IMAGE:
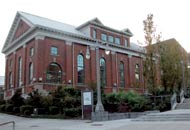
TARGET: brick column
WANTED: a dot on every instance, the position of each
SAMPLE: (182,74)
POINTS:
(68,63)
(24,76)
(130,70)
(6,73)
(114,70)
(93,64)
(38,58)
(14,71)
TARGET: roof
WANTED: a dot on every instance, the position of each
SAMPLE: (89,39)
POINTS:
(137,47)
(98,23)
(45,22)
(2,78)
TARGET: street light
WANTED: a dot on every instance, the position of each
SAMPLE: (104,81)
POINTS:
(99,105)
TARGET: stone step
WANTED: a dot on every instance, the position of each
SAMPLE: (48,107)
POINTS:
(176,115)
(183,106)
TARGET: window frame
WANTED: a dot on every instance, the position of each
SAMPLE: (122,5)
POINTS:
(57,75)
(54,50)
(31,72)
(94,33)
(80,66)
(137,73)
(103,76)
(19,80)
(117,39)
(104,35)
(31,51)
(109,39)
(121,74)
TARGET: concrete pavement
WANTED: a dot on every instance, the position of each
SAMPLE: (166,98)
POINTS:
(58,124)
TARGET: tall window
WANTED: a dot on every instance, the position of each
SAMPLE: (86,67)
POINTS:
(31,51)
(121,73)
(102,72)
(19,81)
(137,72)
(110,39)
(54,73)
(117,40)
(54,50)
(94,34)
(31,72)
(126,43)
(80,69)
(10,79)
(103,37)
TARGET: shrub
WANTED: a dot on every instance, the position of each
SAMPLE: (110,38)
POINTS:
(53,110)
(16,110)
(72,112)
(27,113)
(17,100)
(9,108)
(2,101)
(28,108)
(2,108)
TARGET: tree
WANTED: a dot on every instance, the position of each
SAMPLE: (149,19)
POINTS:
(150,68)
(173,62)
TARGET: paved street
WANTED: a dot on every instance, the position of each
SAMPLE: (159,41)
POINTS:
(56,124)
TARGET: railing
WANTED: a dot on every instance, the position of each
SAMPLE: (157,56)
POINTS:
(173,101)
(182,98)
(10,122)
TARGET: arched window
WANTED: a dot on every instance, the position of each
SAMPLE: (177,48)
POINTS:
(137,72)
(102,72)
(54,73)
(80,69)
(19,81)
(121,74)
(31,72)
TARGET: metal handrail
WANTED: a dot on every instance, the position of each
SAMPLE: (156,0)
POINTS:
(5,123)
(173,101)
(182,96)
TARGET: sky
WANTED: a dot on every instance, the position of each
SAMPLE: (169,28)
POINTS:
(171,17)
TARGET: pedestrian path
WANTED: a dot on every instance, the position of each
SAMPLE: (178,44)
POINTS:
(124,124)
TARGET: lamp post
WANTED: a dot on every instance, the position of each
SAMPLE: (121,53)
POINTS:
(99,105)
(99,110)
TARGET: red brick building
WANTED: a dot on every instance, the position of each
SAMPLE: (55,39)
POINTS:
(42,53)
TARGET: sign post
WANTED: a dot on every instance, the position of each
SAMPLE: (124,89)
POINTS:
(87,103)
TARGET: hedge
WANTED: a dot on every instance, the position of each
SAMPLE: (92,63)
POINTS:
(53,110)
(26,110)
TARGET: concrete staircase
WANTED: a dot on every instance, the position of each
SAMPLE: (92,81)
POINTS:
(173,115)
(184,105)
(181,113)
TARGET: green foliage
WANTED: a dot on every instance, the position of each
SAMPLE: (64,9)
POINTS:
(173,62)
(16,110)
(26,109)
(9,107)
(17,100)
(124,101)
(72,112)
(2,101)
(2,108)
(150,68)
(46,101)
(53,110)
(34,99)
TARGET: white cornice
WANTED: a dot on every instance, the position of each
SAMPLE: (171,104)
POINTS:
(89,43)
(38,32)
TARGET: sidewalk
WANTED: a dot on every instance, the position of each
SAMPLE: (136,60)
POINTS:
(56,124)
